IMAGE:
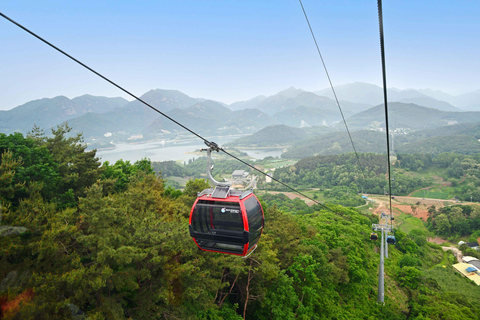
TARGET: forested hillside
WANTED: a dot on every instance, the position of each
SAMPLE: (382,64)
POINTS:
(456,221)
(337,143)
(366,174)
(461,139)
(88,241)
(271,136)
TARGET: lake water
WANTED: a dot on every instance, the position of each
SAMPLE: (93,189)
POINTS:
(158,151)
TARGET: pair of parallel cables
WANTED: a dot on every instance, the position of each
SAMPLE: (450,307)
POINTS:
(384,80)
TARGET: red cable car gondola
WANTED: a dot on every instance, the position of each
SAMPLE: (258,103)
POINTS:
(231,224)
(226,220)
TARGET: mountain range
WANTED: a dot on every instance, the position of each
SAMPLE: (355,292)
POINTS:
(46,113)
(371,94)
(116,119)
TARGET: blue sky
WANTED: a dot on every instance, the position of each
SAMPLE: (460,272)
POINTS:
(234,50)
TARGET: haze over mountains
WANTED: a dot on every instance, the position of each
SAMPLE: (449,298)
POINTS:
(372,94)
(46,113)
(116,119)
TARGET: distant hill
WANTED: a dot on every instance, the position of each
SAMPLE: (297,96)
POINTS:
(468,101)
(310,99)
(291,92)
(250,120)
(399,95)
(307,116)
(372,94)
(120,119)
(355,92)
(338,142)
(280,135)
(209,110)
(89,103)
(94,125)
(461,138)
(366,93)
(431,103)
(248,104)
(271,136)
(210,118)
(373,141)
(134,117)
(280,105)
(437,94)
(463,144)
(285,99)
(469,129)
(411,116)
(49,112)
(163,100)
(202,117)
(273,104)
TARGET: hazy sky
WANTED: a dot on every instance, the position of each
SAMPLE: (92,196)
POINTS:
(234,50)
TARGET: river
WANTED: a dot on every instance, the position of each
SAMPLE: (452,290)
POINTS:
(177,151)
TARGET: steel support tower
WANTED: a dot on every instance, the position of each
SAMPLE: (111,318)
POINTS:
(385,229)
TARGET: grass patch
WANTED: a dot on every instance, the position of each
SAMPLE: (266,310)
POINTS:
(407,223)
(366,208)
(175,180)
(451,281)
(432,194)
(313,193)
(447,260)
(278,163)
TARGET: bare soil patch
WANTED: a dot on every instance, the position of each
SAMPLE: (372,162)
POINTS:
(436,240)
(418,212)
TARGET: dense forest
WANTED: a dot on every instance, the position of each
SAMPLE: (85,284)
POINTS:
(460,171)
(365,174)
(455,221)
(82,240)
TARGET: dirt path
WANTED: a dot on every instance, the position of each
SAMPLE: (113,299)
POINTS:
(457,253)
(382,207)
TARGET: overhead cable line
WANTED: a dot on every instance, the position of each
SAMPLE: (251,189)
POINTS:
(333,89)
(384,78)
(210,144)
